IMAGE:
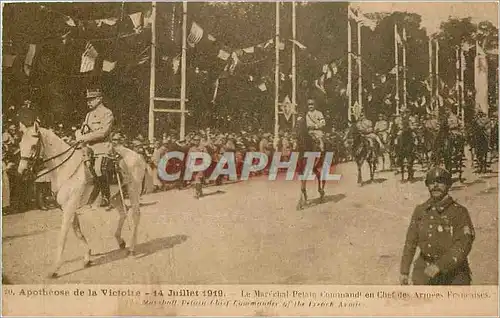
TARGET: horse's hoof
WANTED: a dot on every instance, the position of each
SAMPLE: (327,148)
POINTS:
(122,245)
(300,205)
(53,275)
(88,264)
(132,253)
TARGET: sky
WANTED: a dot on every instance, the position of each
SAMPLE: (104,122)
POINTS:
(433,13)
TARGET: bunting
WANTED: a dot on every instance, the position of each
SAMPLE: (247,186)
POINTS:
(108,66)
(136,20)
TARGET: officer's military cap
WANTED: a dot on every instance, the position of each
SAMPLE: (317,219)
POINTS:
(94,92)
(438,174)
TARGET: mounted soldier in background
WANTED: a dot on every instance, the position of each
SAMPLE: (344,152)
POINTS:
(315,122)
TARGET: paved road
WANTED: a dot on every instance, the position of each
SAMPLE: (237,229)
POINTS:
(250,233)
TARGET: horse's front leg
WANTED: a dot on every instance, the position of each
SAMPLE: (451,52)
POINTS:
(78,232)
(69,211)
(360,177)
(321,185)
(134,193)
(119,205)
(303,195)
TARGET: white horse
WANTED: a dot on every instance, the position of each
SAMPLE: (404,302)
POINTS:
(72,182)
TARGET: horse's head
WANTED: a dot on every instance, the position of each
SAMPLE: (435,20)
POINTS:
(30,147)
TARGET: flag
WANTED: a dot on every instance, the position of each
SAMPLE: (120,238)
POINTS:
(195,35)
(394,70)
(28,61)
(281,46)
(88,58)
(223,55)
(216,89)
(148,18)
(210,37)
(8,60)
(361,19)
(300,45)
(176,62)
(404,35)
(481,79)
(263,87)
(249,49)
(398,39)
(108,66)
(136,20)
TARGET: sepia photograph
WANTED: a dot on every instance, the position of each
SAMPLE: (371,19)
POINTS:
(249,143)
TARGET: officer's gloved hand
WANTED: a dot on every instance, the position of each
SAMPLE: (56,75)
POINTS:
(403,279)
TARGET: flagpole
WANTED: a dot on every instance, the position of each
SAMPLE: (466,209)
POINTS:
(437,75)
(152,79)
(457,79)
(360,78)
(404,68)
(462,84)
(276,72)
(349,69)
(431,76)
(396,62)
(294,61)
(183,71)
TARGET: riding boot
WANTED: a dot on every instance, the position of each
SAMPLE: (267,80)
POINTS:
(105,192)
(40,195)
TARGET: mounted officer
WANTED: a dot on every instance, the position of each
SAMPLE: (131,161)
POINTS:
(365,127)
(315,122)
(382,128)
(94,135)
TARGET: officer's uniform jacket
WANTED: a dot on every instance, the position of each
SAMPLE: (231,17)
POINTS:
(365,126)
(444,233)
(315,121)
(432,124)
(381,126)
(453,123)
(96,129)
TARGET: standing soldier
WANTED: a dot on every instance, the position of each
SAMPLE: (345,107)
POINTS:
(315,122)
(95,137)
(443,231)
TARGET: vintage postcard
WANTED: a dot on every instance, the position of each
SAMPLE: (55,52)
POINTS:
(250,158)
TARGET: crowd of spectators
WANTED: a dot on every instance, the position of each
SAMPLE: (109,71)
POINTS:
(21,195)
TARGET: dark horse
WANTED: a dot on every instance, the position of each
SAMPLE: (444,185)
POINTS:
(479,141)
(364,149)
(449,149)
(305,143)
(405,150)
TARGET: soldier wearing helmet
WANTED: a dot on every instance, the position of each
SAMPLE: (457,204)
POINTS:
(443,231)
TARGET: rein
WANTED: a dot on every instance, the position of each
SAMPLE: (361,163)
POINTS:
(37,154)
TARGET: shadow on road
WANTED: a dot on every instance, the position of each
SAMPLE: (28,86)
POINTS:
(32,233)
(213,193)
(329,198)
(374,181)
(141,250)
(148,203)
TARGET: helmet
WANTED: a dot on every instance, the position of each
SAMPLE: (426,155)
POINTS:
(438,174)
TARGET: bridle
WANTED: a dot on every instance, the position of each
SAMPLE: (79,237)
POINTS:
(34,161)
